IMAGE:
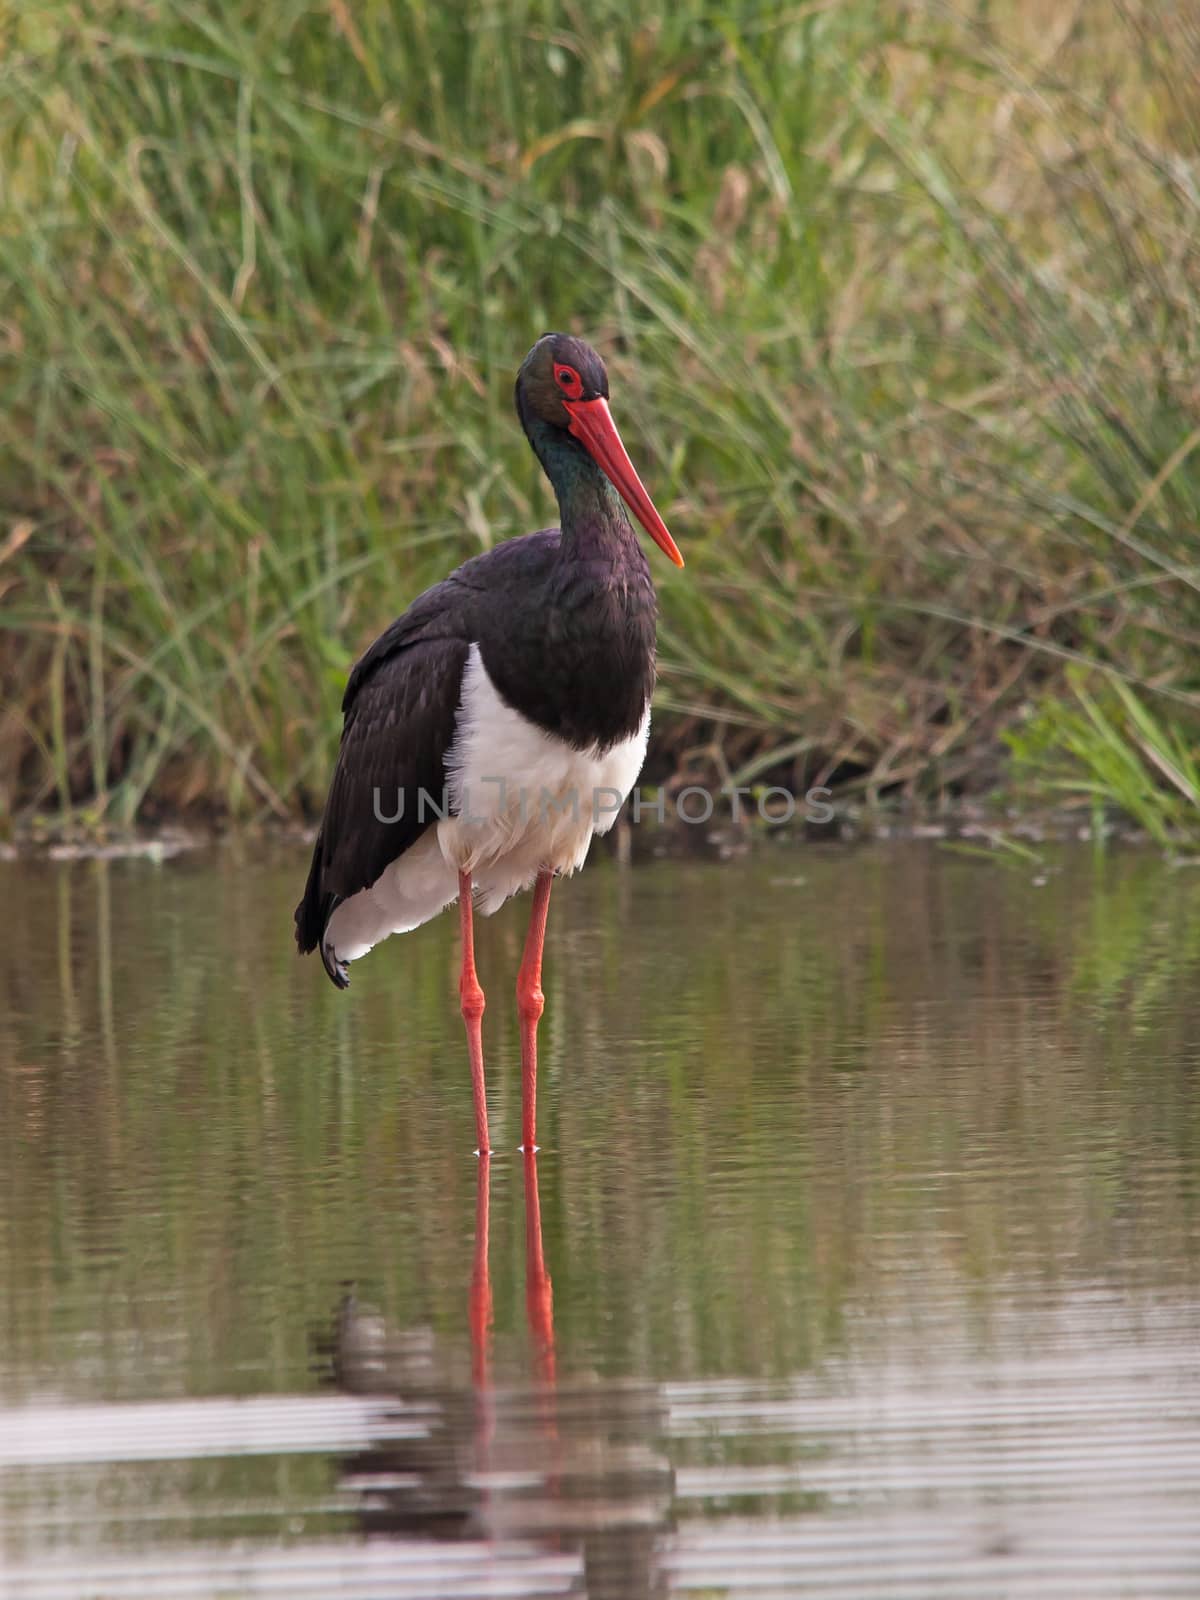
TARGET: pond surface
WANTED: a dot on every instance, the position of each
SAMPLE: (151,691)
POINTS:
(861,1258)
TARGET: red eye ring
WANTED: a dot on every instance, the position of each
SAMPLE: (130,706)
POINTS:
(568,380)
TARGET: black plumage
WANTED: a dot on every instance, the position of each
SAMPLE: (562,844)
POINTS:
(566,636)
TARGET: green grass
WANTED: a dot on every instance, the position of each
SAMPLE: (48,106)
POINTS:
(901,311)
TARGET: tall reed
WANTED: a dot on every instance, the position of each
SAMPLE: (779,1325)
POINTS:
(900,304)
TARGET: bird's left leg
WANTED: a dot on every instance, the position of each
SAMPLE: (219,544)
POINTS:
(470,995)
(530,1002)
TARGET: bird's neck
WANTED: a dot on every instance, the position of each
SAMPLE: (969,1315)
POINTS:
(591,513)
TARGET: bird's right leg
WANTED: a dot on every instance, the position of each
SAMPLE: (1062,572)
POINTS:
(471,1000)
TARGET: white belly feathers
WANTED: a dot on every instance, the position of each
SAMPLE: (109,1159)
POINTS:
(523,799)
(520,799)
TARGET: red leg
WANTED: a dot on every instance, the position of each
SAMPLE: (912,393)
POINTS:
(530,1001)
(471,999)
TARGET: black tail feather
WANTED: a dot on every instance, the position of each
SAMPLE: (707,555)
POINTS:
(312,918)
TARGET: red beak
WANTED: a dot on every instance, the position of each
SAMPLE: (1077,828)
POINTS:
(592,424)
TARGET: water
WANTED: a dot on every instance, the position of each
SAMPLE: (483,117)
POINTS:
(860,1259)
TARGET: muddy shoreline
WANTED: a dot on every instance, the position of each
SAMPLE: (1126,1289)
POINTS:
(971,826)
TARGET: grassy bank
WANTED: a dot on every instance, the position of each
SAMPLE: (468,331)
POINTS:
(900,306)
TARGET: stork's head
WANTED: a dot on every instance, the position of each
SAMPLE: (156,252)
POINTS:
(563,383)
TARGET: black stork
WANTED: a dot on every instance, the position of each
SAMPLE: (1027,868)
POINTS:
(501,721)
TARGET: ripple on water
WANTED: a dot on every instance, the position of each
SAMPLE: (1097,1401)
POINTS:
(860,1258)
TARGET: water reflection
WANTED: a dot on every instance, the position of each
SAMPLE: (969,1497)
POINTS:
(577,1468)
(863,1250)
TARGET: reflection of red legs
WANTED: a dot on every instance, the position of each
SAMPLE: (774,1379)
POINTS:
(530,1001)
(539,1292)
(471,999)
(480,1298)
(479,1317)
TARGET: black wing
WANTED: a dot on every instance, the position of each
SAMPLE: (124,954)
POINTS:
(400,708)
(399,726)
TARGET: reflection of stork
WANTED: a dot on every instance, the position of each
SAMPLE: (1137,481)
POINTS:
(574,1467)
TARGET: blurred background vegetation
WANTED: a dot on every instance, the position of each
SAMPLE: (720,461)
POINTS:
(900,303)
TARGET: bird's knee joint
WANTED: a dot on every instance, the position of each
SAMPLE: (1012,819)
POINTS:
(531,1003)
(471,1000)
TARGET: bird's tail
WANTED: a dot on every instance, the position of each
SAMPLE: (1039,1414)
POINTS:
(312,918)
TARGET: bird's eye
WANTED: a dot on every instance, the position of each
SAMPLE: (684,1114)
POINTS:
(568,381)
